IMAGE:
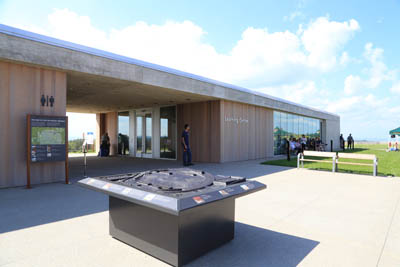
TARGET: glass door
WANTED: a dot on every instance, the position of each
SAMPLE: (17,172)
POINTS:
(123,133)
(168,132)
(144,134)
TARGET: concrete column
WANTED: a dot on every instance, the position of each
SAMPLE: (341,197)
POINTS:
(156,132)
(323,133)
(100,129)
(332,130)
(132,133)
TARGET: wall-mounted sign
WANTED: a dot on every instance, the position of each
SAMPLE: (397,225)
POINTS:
(89,138)
(47,138)
(45,101)
(236,120)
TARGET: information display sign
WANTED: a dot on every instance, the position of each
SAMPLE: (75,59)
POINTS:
(48,138)
(89,138)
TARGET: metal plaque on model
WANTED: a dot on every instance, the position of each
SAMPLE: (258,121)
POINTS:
(48,138)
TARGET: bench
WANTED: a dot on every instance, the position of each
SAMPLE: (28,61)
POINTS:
(359,156)
(301,159)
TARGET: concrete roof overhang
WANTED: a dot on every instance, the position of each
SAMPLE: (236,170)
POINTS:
(101,81)
(93,93)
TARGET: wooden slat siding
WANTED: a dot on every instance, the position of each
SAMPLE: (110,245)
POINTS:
(356,156)
(319,154)
(21,87)
(222,130)
(111,127)
(244,141)
(98,131)
(244,130)
(252,129)
(215,151)
(270,133)
(4,123)
(205,136)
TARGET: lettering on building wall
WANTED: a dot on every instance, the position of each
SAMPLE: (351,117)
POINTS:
(236,120)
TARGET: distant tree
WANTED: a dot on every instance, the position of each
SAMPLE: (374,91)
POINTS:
(76,145)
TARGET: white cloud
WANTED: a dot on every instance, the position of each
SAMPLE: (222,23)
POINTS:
(344,104)
(353,84)
(304,92)
(323,39)
(395,87)
(293,16)
(344,58)
(377,73)
(260,58)
(286,64)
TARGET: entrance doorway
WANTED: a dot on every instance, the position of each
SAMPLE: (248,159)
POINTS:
(144,134)
(123,133)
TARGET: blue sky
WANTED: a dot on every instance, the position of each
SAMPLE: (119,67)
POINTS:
(340,56)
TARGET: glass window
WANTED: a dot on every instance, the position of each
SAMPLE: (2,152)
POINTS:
(319,129)
(315,122)
(123,133)
(310,127)
(301,125)
(284,124)
(296,126)
(277,132)
(290,125)
(139,121)
(148,133)
(284,133)
(168,132)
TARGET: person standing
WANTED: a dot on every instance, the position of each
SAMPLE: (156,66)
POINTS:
(349,138)
(341,142)
(352,142)
(105,145)
(303,142)
(187,153)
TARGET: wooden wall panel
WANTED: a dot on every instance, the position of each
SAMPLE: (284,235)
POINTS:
(111,127)
(21,87)
(100,129)
(247,132)
(4,123)
(204,119)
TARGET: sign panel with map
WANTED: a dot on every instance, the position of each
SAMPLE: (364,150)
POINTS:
(48,138)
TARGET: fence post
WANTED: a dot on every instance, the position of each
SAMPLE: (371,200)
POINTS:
(375,166)
(333,163)
(298,160)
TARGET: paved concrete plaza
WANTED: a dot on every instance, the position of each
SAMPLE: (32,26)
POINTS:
(304,217)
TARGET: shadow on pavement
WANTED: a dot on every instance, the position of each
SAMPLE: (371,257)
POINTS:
(254,246)
(116,165)
(22,208)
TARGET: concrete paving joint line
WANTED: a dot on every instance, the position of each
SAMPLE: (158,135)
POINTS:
(388,230)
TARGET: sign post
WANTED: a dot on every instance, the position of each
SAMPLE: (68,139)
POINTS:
(47,140)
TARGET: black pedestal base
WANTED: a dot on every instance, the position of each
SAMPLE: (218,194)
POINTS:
(176,240)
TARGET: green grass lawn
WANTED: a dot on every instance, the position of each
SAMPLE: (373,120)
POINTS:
(388,162)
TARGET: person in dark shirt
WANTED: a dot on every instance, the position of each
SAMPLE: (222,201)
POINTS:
(341,141)
(187,153)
